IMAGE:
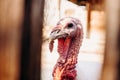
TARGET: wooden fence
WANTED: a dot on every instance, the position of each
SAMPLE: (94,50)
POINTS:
(21,23)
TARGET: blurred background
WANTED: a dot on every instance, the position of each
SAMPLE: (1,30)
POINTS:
(25,26)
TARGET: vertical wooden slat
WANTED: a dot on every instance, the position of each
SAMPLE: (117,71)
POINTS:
(110,68)
(25,41)
(118,66)
(88,5)
(32,40)
(36,43)
(11,12)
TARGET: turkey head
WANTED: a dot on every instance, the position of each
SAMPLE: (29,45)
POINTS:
(69,34)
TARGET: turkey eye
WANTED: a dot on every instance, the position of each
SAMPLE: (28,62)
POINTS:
(70,25)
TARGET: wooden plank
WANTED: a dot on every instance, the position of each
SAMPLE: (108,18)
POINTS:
(11,12)
(112,50)
(88,5)
(32,40)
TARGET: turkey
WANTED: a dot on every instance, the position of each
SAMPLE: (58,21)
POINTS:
(69,33)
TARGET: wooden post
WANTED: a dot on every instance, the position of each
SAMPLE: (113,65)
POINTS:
(11,15)
(88,5)
(112,49)
(32,40)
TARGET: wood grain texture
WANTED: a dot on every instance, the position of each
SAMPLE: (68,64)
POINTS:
(31,40)
(11,12)
(110,68)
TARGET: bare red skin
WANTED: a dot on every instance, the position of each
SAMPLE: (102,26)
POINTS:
(63,47)
(51,46)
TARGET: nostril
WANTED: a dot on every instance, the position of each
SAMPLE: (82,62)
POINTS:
(58,31)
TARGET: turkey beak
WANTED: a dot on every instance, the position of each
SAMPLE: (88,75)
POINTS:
(58,33)
(54,34)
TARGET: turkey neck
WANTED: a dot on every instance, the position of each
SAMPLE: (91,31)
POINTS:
(69,47)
